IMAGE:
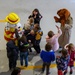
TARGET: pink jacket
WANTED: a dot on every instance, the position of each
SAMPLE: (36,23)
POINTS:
(54,40)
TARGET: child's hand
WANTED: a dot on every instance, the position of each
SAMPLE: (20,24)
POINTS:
(47,37)
(57,56)
(29,40)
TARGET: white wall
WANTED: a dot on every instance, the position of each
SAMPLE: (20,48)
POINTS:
(47,8)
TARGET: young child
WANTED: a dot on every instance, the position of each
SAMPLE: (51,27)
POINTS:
(31,39)
(16,71)
(71,50)
(52,38)
(47,56)
(36,15)
(31,23)
(62,62)
(23,46)
(38,36)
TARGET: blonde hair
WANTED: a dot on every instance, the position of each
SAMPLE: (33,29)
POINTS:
(71,45)
(31,20)
(26,26)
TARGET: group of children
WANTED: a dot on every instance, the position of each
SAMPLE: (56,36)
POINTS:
(31,37)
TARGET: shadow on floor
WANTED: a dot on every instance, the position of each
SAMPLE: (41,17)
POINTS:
(38,66)
(6,73)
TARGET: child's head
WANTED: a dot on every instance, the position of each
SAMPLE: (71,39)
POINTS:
(64,53)
(50,33)
(36,27)
(16,71)
(48,47)
(35,11)
(27,26)
(71,47)
(23,38)
(32,32)
(31,20)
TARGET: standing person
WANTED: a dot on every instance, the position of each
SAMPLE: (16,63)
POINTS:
(71,50)
(52,38)
(16,71)
(28,26)
(31,23)
(31,39)
(62,62)
(23,46)
(47,56)
(36,16)
(66,22)
(38,36)
(12,54)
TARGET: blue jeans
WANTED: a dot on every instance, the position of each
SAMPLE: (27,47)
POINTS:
(24,56)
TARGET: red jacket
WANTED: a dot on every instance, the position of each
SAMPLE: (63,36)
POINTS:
(72,58)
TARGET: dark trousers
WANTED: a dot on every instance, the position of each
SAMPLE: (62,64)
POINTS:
(45,64)
(37,46)
(12,62)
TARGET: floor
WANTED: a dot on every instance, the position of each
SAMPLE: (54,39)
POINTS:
(34,65)
(24,8)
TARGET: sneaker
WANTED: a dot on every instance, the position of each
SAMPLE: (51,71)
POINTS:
(26,65)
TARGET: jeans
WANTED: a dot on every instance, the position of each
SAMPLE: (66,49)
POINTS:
(24,56)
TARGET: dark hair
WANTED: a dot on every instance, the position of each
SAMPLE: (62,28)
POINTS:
(23,38)
(48,47)
(50,33)
(37,26)
(36,10)
(64,52)
(16,71)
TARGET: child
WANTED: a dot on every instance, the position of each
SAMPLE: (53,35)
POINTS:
(31,39)
(71,50)
(53,38)
(23,46)
(47,56)
(31,23)
(38,36)
(62,62)
(26,29)
(36,15)
(16,71)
